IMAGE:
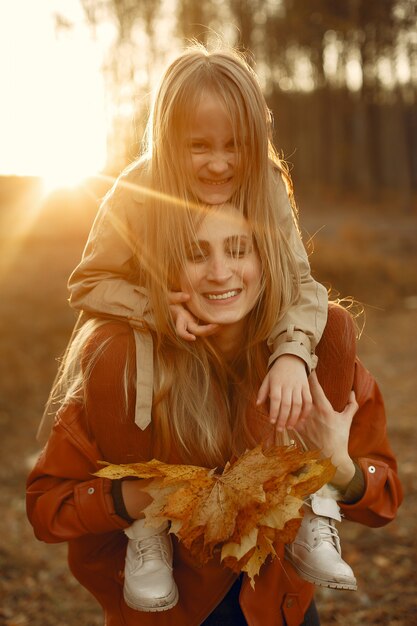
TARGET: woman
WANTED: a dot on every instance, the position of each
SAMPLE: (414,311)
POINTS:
(204,411)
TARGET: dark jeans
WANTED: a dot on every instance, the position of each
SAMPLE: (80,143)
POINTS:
(229,613)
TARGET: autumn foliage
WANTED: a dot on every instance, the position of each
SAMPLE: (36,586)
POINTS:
(254,502)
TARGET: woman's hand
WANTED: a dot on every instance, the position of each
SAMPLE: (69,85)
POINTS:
(328,430)
(286,385)
(134,498)
(186,325)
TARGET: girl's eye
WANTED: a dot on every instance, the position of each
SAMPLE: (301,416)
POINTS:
(233,146)
(197,147)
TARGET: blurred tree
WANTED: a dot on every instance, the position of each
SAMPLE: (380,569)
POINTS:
(133,23)
(339,75)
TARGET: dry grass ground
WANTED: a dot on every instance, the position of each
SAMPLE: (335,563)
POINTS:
(369,254)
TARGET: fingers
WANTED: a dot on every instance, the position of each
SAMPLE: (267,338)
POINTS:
(188,328)
(184,330)
(288,403)
(287,408)
(317,393)
(306,406)
(351,407)
(263,391)
(177,297)
(287,411)
(203,330)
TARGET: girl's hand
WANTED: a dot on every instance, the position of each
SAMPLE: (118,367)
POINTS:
(328,430)
(287,386)
(186,325)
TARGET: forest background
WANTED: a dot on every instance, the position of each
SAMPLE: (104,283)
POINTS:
(340,77)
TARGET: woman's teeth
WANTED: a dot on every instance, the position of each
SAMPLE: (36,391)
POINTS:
(222,296)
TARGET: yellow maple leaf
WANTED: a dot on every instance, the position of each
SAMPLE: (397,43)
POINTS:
(255,502)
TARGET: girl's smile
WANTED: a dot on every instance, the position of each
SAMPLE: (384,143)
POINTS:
(213,152)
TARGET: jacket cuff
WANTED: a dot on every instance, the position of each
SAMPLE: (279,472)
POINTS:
(95,506)
(119,503)
(375,474)
(356,488)
(295,342)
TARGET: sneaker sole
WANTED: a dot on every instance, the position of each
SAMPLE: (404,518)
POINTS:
(168,603)
(321,582)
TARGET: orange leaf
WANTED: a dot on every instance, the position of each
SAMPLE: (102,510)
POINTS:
(255,502)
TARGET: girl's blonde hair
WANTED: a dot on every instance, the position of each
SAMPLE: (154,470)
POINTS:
(192,398)
(259,194)
(200,401)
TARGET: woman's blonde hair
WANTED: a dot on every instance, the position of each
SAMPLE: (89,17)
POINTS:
(259,195)
(193,399)
(201,401)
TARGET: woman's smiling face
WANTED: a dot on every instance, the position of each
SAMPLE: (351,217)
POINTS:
(223,271)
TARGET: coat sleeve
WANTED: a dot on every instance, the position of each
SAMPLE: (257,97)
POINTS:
(370,448)
(106,279)
(64,500)
(300,330)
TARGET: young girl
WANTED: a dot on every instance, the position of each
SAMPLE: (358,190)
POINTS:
(203,412)
(208,141)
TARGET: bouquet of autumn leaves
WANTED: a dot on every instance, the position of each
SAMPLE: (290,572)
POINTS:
(242,511)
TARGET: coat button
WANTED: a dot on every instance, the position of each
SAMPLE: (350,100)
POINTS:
(90,491)
(290,603)
(372,469)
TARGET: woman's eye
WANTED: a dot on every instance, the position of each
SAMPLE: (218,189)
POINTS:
(196,255)
(239,251)
(238,248)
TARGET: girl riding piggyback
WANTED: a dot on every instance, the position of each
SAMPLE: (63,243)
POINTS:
(208,142)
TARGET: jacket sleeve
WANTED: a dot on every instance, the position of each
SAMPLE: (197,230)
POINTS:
(105,281)
(300,330)
(63,498)
(370,448)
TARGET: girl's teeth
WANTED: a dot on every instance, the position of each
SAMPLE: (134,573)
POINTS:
(222,296)
(216,182)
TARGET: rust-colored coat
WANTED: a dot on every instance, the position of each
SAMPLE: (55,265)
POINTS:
(65,502)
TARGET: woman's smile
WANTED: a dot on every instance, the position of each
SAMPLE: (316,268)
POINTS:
(223,297)
(223,272)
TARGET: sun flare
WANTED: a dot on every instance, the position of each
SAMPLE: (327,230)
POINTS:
(54,121)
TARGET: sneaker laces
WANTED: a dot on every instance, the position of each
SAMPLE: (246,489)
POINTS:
(151,548)
(325,528)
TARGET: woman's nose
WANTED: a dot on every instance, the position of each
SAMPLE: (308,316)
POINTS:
(219,270)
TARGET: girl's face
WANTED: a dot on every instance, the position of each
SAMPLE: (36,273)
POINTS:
(212,151)
(223,271)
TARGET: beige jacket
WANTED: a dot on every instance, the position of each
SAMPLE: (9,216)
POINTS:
(100,283)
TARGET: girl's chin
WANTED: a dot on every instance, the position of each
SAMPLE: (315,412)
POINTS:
(213,195)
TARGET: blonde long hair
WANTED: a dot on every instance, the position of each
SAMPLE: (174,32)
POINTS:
(201,401)
(224,72)
(192,382)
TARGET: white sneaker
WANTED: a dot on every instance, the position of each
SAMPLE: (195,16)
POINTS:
(315,553)
(149,584)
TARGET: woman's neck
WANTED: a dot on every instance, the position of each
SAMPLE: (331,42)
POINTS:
(229,340)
